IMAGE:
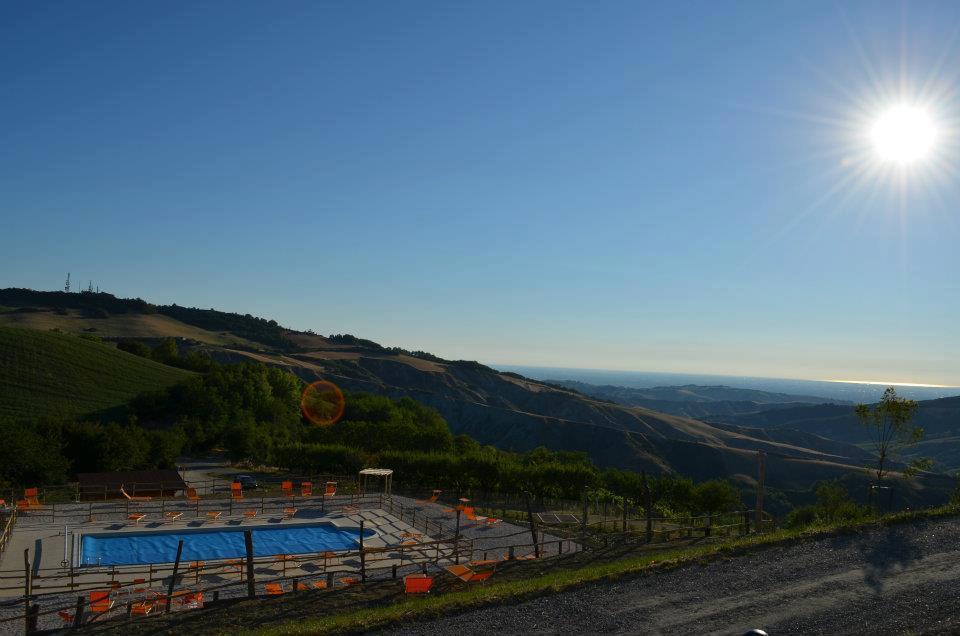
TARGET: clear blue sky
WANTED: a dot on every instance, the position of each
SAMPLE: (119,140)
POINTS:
(609,185)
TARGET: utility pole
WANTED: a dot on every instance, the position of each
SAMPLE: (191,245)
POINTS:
(66,287)
(762,469)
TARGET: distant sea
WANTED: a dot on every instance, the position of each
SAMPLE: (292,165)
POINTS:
(852,392)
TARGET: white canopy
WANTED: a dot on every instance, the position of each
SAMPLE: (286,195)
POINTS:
(386,473)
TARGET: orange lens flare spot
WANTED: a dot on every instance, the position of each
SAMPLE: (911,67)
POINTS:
(322,403)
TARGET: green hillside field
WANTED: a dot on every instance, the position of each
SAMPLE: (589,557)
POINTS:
(53,374)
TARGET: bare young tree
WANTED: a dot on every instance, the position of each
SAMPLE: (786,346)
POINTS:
(891,430)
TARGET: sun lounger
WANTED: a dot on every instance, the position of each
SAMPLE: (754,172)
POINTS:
(31,499)
(349,580)
(192,600)
(417,583)
(350,510)
(142,608)
(432,499)
(476,575)
(214,514)
(192,495)
(314,585)
(98,604)
(132,498)
(172,515)
(330,489)
(468,511)
(462,572)
(136,517)
(289,512)
(236,491)
(99,601)
(306,489)
(250,514)
(273,589)
(287,488)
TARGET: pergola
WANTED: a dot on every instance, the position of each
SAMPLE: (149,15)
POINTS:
(386,473)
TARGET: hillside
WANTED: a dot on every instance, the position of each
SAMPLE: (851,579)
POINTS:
(696,401)
(502,409)
(53,374)
(940,420)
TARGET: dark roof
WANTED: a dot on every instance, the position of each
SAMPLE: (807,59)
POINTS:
(170,478)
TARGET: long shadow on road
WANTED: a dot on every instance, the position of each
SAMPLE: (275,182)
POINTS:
(886,551)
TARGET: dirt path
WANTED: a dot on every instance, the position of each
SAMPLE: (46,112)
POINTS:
(889,580)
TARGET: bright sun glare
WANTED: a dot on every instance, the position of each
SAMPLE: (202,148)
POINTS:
(903,134)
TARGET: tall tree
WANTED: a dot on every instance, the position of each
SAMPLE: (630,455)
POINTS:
(891,430)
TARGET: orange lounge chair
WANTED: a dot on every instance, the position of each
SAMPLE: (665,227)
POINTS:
(100,601)
(136,517)
(417,583)
(31,499)
(132,498)
(287,488)
(214,514)
(331,489)
(273,589)
(468,510)
(192,600)
(192,495)
(432,499)
(250,514)
(32,496)
(172,515)
(306,489)
(289,512)
(462,572)
(492,521)
(236,491)
(466,574)
(142,608)
(349,580)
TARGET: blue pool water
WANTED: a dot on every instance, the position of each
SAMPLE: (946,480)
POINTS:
(203,545)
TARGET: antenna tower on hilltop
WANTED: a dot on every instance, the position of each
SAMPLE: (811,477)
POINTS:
(66,287)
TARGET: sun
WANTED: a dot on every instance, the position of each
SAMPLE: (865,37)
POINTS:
(903,134)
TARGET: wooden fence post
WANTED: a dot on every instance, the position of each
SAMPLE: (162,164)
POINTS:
(533,527)
(762,468)
(647,505)
(363,557)
(173,577)
(248,540)
(456,539)
(78,613)
(27,588)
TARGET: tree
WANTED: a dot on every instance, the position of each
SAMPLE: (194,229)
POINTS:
(891,430)
(715,496)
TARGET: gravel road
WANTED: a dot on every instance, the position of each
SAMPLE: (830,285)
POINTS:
(903,579)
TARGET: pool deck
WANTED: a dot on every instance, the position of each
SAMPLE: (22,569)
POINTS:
(388,555)
(49,552)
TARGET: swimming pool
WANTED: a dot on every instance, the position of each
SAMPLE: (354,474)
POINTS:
(207,545)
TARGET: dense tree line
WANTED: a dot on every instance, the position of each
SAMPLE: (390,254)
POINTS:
(252,411)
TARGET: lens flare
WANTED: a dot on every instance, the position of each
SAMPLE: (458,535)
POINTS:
(322,403)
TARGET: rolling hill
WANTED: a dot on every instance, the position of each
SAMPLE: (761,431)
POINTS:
(53,374)
(502,409)
(696,401)
(940,420)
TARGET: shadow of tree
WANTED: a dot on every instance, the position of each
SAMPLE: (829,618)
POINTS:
(891,549)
